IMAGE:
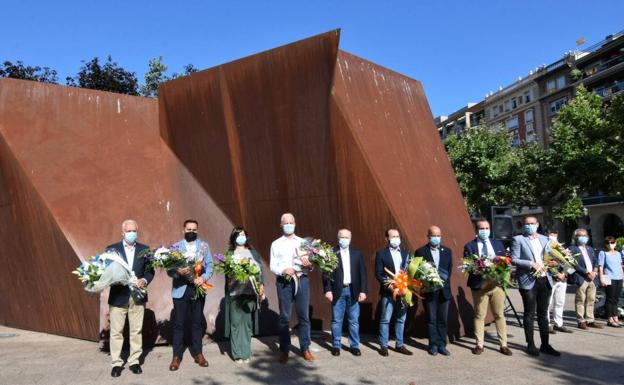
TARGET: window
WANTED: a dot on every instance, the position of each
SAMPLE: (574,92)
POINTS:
(494,111)
(528,116)
(527,97)
(515,138)
(513,103)
(498,127)
(551,85)
(512,123)
(500,108)
(519,98)
(556,105)
(561,82)
(507,105)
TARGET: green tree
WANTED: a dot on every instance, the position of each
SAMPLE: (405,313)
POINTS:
(21,71)
(108,77)
(156,75)
(615,145)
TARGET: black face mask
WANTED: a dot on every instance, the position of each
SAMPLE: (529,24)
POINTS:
(190,236)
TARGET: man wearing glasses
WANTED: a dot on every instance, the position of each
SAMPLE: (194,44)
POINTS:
(534,282)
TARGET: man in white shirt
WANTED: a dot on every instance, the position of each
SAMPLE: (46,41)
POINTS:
(586,271)
(291,268)
(557,298)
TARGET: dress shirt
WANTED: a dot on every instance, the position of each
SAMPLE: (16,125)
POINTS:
(283,254)
(537,248)
(489,248)
(129,249)
(588,264)
(435,253)
(346,266)
(396,258)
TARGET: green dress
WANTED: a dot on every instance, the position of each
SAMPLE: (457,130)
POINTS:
(241,316)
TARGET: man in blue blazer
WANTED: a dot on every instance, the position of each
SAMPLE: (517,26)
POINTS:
(583,277)
(345,288)
(534,282)
(122,304)
(486,293)
(394,258)
(437,301)
(184,298)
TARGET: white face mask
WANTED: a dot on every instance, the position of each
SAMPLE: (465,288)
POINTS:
(553,238)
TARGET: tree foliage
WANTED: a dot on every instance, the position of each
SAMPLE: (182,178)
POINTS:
(107,77)
(18,70)
(156,75)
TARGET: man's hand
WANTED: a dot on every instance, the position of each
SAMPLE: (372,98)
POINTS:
(289,271)
(537,266)
(603,283)
(329,296)
(552,263)
(305,261)
(183,271)
(141,283)
(591,275)
(560,277)
(199,281)
(362,297)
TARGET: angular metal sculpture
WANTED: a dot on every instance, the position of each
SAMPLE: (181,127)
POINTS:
(305,128)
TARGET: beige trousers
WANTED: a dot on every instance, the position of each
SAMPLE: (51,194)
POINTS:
(584,302)
(495,298)
(118,314)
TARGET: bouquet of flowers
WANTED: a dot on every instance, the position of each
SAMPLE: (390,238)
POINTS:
(106,269)
(320,254)
(426,273)
(554,251)
(496,270)
(419,277)
(240,271)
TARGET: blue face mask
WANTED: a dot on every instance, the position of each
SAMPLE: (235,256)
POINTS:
(435,241)
(582,240)
(288,228)
(395,242)
(484,234)
(130,237)
(530,229)
(241,240)
(344,242)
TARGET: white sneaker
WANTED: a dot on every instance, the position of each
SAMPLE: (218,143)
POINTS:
(238,361)
(246,360)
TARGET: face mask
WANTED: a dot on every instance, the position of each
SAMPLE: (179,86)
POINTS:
(395,242)
(288,228)
(484,234)
(344,242)
(530,229)
(241,240)
(611,246)
(130,237)
(435,241)
(553,238)
(190,236)
(582,240)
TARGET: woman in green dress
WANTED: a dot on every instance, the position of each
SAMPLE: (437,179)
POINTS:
(242,300)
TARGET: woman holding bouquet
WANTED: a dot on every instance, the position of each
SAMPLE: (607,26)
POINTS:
(242,298)
(611,274)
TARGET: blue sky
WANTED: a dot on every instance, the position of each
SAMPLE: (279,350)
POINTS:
(458,49)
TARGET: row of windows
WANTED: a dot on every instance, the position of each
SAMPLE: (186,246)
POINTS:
(511,104)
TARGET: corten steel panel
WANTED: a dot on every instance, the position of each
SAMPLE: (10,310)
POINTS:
(389,117)
(338,141)
(94,159)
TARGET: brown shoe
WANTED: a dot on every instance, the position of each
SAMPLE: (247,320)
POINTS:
(308,356)
(201,360)
(594,325)
(582,325)
(283,358)
(477,350)
(505,350)
(175,364)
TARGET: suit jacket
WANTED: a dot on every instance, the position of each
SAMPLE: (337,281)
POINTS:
(472,248)
(522,257)
(178,285)
(580,269)
(120,294)
(359,283)
(383,259)
(445,267)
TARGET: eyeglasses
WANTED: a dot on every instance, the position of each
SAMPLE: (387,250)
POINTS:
(612,243)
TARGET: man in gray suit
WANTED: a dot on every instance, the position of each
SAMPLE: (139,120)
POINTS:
(534,282)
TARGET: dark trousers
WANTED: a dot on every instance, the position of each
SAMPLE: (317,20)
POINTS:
(286,296)
(437,313)
(182,308)
(538,298)
(612,293)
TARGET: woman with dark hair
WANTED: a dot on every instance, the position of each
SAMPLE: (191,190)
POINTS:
(241,300)
(611,275)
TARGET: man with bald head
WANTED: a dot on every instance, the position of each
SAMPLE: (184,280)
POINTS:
(345,288)
(293,286)
(437,301)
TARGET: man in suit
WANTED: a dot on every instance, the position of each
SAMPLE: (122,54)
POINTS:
(534,282)
(437,301)
(184,299)
(486,293)
(394,258)
(122,304)
(345,288)
(585,272)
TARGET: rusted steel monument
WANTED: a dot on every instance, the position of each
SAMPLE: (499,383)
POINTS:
(304,128)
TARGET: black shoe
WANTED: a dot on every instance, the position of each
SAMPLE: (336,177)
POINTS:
(433,350)
(136,369)
(444,351)
(356,352)
(562,329)
(384,351)
(532,350)
(547,349)
(403,350)
(335,351)
(116,371)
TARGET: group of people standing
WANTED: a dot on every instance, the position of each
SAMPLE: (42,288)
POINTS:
(347,287)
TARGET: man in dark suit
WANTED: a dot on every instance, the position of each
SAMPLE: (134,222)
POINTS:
(394,258)
(437,301)
(486,293)
(122,304)
(345,288)
(585,272)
